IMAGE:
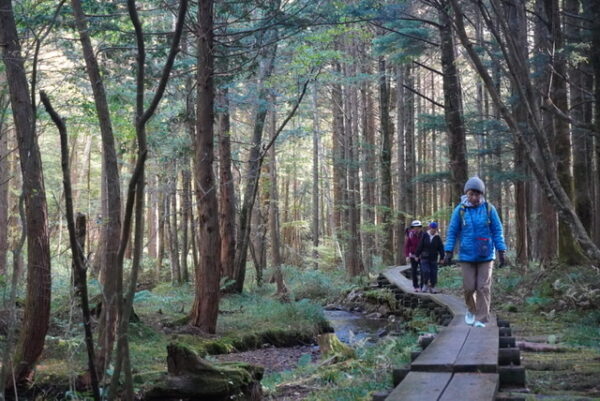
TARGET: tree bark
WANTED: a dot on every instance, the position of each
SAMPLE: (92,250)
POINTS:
(174,230)
(368,165)
(186,202)
(401,169)
(453,110)
(267,65)
(4,177)
(276,260)
(37,304)
(515,15)
(206,302)
(385,167)
(315,178)
(580,110)
(226,188)
(111,210)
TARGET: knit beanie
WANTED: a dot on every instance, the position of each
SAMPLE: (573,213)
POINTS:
(476,184)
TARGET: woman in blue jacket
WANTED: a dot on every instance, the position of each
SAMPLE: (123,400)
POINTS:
(476,224)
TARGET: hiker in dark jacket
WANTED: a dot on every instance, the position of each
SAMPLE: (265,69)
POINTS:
(411,241)
(429,250)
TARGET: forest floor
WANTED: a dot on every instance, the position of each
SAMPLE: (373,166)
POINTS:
(551,305)
(556,309)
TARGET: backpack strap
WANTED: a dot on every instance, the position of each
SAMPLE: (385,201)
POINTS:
(463,209)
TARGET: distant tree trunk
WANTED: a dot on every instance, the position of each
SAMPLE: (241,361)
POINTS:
(337,153)
(453,110)
(401,169)
(267,65)
(354,264)
(162,218)
(258,234)
(580,110)
(568,249)
(186,201)
(4,178)
(409,141)
(591,9)
(385,167)
(369,175)
(226,187)
(276,261)
(174,230)
(151,213)
(37,304)
(111,210)
(546,226)
(315,178)
(515,15)
(206,302)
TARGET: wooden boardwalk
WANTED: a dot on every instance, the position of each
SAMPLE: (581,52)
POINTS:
(461,364)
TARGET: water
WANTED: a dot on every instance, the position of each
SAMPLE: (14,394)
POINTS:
(351,327)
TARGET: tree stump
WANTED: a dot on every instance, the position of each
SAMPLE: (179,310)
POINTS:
(192,378)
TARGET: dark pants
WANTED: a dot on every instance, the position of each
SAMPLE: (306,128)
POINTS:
(414,269)
(429,270)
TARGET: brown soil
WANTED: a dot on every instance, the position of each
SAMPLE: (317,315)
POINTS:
(277,360)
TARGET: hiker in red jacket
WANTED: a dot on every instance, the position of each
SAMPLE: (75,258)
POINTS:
(411,242)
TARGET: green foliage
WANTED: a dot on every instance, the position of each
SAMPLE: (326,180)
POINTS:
(316,285)
(354,379)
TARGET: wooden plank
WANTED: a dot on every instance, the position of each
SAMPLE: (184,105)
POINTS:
(420,386)
(479,352)
(472,387)
(441,354)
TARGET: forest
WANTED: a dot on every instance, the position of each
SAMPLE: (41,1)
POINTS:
(199,199)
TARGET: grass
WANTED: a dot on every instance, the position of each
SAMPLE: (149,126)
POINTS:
(351,380)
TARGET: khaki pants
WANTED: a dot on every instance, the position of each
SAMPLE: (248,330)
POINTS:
(477,283)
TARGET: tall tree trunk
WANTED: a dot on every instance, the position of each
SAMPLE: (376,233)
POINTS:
(162,219)
(592,10)
(580,110)
(369,174)
(186,201)
(111,210)
(37,304)
(453,110)
(226,188)
(385,166)
(267,65)
(515,15)
(206,302)
(276,260)
(409,141)
(4,177)
(568,249)
(151,216)
(337,153)
(315,178)
(174,230)
(401,169)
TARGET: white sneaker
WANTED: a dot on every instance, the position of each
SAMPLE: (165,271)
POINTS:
(470,318)
(479,324)
(425,288)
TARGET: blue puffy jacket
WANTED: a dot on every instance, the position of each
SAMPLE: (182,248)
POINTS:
(478,233)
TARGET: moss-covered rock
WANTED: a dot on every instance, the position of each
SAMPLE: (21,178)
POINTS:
(192,378)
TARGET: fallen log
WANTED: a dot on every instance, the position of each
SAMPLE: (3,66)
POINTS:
(192,378)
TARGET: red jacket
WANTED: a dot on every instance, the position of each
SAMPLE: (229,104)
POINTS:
(411,241)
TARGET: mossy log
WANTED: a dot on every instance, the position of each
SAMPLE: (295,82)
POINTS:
(192,378)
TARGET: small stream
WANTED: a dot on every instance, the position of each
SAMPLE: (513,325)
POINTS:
(351,327)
